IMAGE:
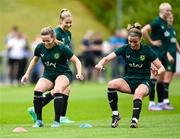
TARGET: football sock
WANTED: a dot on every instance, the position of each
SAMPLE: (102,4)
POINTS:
(113,99)
(137,104)
(48,97)
(58,105)
(160,90)
(65,100)
(166,90)
(152,91)
(38,104)
(115,112)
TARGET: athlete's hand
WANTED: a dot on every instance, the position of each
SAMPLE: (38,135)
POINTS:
(99,67)
(154,70)
(79,77)
(24,79)
(170,58)
(156,43)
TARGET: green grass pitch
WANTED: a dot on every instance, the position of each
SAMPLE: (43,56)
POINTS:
(87,104)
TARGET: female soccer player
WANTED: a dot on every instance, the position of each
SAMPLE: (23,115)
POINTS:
(157,35)
(57,74)
(64,35)
(62,31)
(171,63)
(138,58)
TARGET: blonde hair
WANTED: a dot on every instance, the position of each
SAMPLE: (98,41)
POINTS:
(134,30)
(49,31)
(164,5)
(64,13)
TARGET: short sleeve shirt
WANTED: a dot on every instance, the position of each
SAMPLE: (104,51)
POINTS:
(138,61)
(160,32)
(55,60)
(172,41)
(64,36)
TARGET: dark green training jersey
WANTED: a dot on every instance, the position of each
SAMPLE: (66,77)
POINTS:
(159,32)
(138,62)
(64,36)
(54,59)
(172,41)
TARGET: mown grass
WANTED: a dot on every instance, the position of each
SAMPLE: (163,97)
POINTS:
(87,104)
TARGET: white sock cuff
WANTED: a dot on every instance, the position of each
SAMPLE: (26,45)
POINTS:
(115,112)
(135,119)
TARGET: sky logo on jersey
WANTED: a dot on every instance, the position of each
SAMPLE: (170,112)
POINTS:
(134,65)
(166,34)
(142,57)
(56,56)
(173,40)
(50,64)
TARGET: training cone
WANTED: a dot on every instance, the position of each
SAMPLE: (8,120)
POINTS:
(19,129)
(85,125)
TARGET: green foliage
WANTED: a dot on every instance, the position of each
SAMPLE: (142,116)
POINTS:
(142,11)
(87,104)
(32,15)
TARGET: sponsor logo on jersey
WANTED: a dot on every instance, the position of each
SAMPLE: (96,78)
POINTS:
(142,57)
(50,64)
(166,34)
(134,65)
(173,40)
(56,56)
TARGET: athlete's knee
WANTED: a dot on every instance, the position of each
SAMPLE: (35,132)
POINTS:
(111,84)
(140,94)
(58,90)
(39,90)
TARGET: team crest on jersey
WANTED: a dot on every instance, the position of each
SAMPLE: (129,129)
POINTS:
(56,56)
(142,57)
(162,27)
